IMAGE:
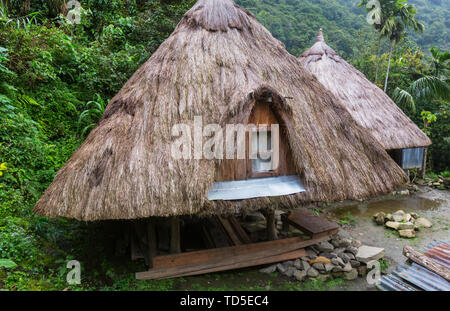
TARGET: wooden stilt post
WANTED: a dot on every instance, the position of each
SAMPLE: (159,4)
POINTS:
(175,246)
(424,163)
(271,226)
(152,247)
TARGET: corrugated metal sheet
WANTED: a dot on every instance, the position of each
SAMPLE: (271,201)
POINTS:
(255,188)
(422,278)
(412,158)
(392,282)
(416,277)
(440,253)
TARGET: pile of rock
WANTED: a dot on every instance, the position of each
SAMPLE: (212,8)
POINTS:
(339,257)
(405,224)
(439,183)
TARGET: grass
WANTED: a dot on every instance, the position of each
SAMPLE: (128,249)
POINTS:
(348,219)
(384,264)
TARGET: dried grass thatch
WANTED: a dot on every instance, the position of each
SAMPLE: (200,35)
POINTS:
(216,62)
(368,104)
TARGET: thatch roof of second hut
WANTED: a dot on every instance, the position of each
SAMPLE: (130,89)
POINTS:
(368,104)
(214,65)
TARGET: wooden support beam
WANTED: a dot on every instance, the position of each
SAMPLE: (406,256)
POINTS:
(152,246)
(272,254)
(175,244)
(245,239)
(271,226)
(285,222)
(230,231)
(424,163)
(426,262)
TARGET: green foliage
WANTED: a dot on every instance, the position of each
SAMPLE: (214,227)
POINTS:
(7,263)
(346,220)
(93,111)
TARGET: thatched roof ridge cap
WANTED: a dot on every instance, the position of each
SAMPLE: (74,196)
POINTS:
(320,36)
(217,15)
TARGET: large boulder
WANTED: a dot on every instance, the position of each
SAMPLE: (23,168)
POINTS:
(300,275)
(407,233)
(312,272)
(399,216)
(351,275)
(269,269)
(423,222)
(325,246)
(392,224)
(379,218)
(405,226)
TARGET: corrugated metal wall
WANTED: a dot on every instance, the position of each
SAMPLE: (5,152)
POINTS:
(412,158)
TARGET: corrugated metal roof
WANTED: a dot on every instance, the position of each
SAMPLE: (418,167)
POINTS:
(255,188)
(392,282)
(415,277)
(440,253)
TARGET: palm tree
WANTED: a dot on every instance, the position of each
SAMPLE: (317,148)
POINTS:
(440,61)
(380,14)
(434,86)
(396,25)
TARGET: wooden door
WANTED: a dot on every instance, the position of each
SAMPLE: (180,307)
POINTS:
(263,118)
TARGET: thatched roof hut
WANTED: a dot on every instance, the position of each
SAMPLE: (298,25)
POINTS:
(218,63)
(368,104)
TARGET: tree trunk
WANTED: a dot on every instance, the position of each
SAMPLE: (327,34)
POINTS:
(389,66)
(378,60)
(175,246)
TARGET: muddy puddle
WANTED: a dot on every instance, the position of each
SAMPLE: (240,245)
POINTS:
(409,203)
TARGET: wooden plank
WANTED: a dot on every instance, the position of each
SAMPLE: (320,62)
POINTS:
(215,231)
(229,230)
(426,262)
(239,230)
(255,262)
(310,223)
(206,255)
(227,260)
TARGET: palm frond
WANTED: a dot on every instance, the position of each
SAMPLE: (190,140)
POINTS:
(429,87)
(402,97)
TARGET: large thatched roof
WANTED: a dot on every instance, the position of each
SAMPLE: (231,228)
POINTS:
(367,103)
(216,62)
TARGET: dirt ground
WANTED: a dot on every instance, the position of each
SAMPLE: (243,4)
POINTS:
(427,202)
(356,221)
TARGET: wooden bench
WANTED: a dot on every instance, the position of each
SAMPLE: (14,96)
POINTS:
(309,223)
